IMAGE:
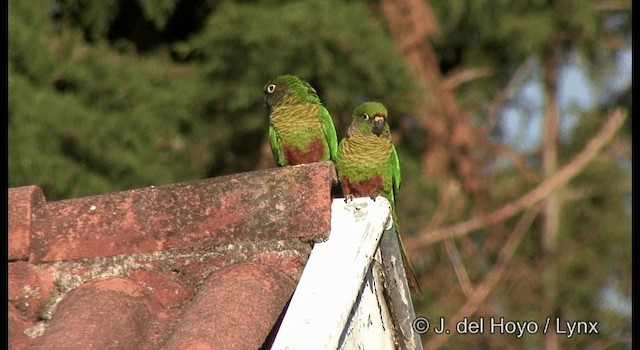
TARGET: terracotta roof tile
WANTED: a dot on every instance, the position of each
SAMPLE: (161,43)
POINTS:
(206,264)
(235,309)
(109,313)
(30,287)
(23,201)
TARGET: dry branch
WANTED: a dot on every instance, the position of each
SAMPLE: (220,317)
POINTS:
(594,146)
(519,77)
(458,267)
(492,278)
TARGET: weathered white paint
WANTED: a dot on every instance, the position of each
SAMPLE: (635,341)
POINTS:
(322,304)
(396,291)
(370,325)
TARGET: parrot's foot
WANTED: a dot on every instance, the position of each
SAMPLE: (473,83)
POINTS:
(374,196)
(348,198)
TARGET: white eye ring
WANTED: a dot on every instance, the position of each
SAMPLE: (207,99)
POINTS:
(271,88)
(365,116)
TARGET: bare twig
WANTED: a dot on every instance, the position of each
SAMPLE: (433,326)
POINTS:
(561,177)
(514,84)
(460,77)
(458,266)
(492,278)
(518,160)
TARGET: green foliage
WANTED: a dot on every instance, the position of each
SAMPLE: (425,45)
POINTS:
(29,54)
(108,119)
(501,34)
(86,120)
(95,17)
(92,112)
(346,60)
(596,223)
(158,11)
(594,254)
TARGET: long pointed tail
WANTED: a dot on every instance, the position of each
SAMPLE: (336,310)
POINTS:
(412,279)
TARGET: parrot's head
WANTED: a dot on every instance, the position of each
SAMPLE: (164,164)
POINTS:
(286,89)
(370,117)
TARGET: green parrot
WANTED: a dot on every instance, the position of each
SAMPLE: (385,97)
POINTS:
(300,127)
(367,165)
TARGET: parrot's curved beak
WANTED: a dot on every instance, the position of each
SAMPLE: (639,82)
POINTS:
(264,101)
(378,124)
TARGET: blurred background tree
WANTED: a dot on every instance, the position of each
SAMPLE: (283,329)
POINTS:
(516,193)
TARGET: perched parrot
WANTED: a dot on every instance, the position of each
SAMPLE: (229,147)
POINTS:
(300,127)
(367,165)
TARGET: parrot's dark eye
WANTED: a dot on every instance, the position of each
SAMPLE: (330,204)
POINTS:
(365,116)
(271,88)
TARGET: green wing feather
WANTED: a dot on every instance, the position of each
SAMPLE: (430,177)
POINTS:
(328,128)
(329,131)
(396,176)
(276,146)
